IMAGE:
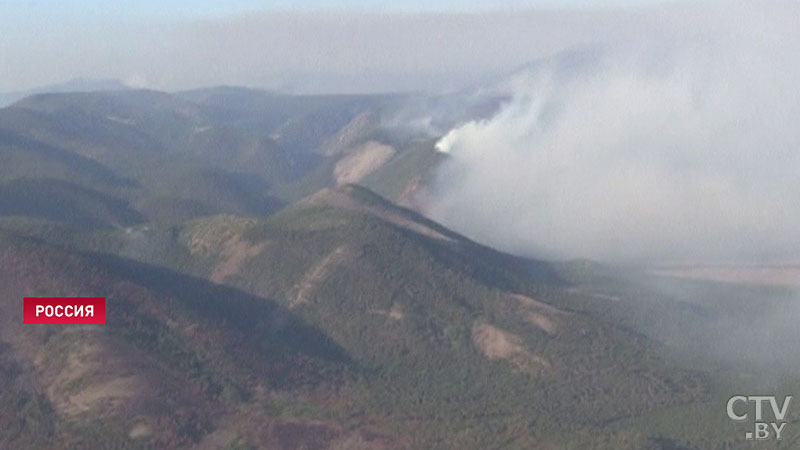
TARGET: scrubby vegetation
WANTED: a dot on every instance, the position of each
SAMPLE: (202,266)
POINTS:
(242,317)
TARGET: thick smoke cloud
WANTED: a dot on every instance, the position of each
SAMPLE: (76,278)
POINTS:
(680,142)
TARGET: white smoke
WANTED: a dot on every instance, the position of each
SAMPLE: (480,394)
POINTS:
(677,144)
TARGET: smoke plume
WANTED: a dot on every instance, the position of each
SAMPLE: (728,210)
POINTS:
(678,142)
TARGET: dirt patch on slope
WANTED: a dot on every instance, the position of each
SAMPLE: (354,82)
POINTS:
(140,430)
(317,274)
(526,301)
(210,236)
(543,322)
(413,195)
(349,134)
(236,252)
(221,238)
(361,162)
(89,377)
(113,391)
(542,315)
(495,344)
(396,312)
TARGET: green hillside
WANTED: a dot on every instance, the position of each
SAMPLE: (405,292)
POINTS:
(448,341)
(468,345)
(64,201)
(176,360)
(174,157)
(266,291)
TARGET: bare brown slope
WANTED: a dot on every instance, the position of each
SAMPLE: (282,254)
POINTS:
(179,360)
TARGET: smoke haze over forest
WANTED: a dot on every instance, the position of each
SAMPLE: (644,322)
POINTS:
(677,144)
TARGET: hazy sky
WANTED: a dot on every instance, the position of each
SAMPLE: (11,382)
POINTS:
(195,8)
(678,142)
(307,46)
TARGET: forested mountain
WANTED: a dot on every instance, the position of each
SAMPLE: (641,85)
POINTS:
(265,289)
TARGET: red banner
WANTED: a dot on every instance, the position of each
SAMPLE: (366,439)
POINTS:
(65,310)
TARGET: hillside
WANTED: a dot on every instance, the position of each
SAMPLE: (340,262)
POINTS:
(176,362)
(173,157)
(439,319)
(346,320)
(266,290)
(449,342)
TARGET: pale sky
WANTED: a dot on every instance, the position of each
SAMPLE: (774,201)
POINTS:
(210,8)
(300,45)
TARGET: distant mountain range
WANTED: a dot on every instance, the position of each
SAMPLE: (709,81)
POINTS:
(74,85)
